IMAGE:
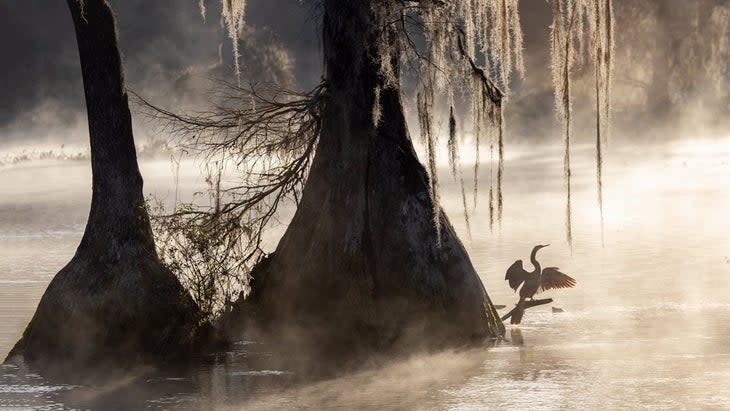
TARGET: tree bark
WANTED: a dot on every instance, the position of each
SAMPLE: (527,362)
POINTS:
(360,264)
(114,301)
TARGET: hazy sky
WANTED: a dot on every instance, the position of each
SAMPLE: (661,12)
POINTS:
(164,42)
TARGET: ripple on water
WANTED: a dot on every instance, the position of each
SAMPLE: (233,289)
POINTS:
(18,282)
(629,338)
(33,389)
(258,373)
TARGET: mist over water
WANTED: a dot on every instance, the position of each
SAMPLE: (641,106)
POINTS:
(648,325)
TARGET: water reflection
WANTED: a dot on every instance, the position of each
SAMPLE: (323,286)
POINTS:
(515,336)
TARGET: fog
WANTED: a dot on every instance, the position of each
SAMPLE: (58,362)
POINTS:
(648,325)
(170,55)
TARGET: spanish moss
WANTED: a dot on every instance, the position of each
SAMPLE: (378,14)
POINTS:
(428,138)
(491,187)
(465,42)
(201,6)
(603,39)
(452,144)
(232,18)
(500,167)
(477,159)
(455,165)
(574,21)
(450,63)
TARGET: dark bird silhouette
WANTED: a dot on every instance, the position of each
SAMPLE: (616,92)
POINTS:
(537,280)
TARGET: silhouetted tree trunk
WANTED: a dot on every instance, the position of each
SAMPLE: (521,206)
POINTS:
(361,264)
(114,302)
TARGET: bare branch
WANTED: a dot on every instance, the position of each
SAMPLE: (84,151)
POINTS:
(268,138)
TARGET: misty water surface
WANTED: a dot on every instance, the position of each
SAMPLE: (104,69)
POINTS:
(647,327)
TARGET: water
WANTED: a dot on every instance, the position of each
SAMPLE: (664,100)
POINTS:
(648,326)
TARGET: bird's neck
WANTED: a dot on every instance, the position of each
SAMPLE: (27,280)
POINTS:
(533,259)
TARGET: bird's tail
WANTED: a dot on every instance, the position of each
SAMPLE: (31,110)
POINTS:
(519,311)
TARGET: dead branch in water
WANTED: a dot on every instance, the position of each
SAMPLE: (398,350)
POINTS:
(520,308)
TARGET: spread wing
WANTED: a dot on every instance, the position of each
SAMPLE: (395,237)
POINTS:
(516,275)
(553,278)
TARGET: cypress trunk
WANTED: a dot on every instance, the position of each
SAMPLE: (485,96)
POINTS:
(360,264)
(114,302)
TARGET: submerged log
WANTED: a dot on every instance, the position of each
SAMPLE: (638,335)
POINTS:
(114,302)
(520,308)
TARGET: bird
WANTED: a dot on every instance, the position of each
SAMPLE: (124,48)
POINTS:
(537,280)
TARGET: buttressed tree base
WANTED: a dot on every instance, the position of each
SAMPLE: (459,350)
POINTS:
(114,302)
(362,264)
